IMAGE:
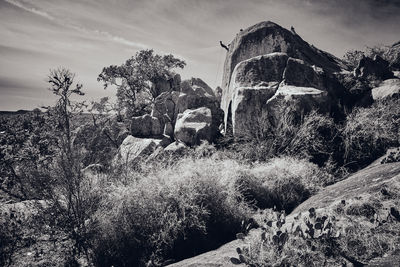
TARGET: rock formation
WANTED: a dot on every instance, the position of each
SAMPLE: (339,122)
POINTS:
(133,148)
(269,69)
(195,125)
(387,88)
(178,101)
(393,56)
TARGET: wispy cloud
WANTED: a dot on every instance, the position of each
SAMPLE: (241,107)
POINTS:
(31,9)
(107,35)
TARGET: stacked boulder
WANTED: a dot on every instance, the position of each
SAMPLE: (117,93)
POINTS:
(269,69)
(183,115)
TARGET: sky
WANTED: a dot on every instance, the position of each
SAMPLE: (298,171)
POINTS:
(87,35)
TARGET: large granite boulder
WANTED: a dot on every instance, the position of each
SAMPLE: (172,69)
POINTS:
(192,94)
(298,101)
(267,37)
(197,85)
(176,148)
(196,94)
(297,73)
(195,125)
(268,66)
(146,126)
(262,87)
(387,89)
(166,84)
(133,149)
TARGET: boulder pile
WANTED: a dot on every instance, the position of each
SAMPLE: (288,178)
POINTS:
(269,69)
(184,114)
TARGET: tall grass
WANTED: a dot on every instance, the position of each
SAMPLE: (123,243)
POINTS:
(369,132)
(170,213)
(177,211)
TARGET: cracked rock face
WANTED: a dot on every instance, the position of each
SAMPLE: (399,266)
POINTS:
(195,125)
(261,87)
(268,69)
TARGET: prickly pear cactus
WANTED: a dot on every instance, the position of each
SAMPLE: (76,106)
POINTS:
(276,232)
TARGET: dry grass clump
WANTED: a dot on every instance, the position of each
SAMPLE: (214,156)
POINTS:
(315,137)
(178,211)
(369,132)
(283,182)
(170,213)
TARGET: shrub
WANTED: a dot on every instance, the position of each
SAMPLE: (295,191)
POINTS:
(369,132)
(289,181)
(169,214)
(352,57)
(317,138)
(314,137)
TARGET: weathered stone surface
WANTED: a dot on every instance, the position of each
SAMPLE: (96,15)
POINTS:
(195,125)
(388,88)
(375,69)
(297,73)
(194,96)
(166,84)
(249,104)
(165,105)
(198,85)
(133,148)
(195,93)
(254,81)
(300,100)
(176,147)
(267,37)
(263,86)
(146,126)
(168,129)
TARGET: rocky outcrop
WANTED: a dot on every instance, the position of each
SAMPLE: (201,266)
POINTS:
(195,125)
(176,148)
(268,67)
(261,87)
(267,37)
(166,84)
(197,85)
(146,126)
(387,89)
(186,95)
(133,149)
